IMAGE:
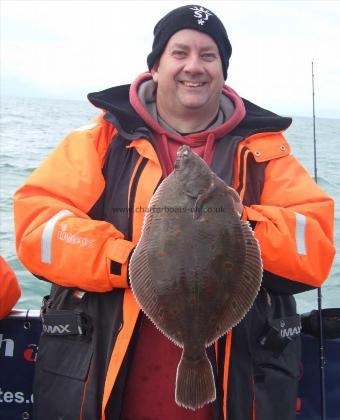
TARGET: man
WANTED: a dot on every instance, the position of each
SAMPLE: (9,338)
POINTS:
(79,216)
(9,288)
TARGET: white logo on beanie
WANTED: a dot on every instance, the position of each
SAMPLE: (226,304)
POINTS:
(201,14)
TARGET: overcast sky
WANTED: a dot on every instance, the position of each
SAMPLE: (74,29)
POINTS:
(65,49)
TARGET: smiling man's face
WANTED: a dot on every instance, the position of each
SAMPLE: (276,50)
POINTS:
(189,75)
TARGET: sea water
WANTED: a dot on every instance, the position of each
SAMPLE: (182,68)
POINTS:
(32,128)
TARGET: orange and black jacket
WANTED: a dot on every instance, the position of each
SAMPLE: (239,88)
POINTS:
(79,216)
(9,288)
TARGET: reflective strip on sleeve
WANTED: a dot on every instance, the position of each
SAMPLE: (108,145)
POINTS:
(46,240)
(300,233)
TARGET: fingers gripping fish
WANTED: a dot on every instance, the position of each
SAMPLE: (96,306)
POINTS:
(196,269)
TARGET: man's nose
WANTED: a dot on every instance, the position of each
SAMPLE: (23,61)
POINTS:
(193,64)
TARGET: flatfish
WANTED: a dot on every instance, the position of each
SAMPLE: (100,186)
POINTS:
(196,269)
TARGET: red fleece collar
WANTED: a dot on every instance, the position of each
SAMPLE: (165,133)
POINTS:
(201,138)
(218,132)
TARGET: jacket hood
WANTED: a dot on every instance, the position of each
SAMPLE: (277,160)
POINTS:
(231,112)
(116,102)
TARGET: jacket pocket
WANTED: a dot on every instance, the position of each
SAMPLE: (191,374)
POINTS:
(62,369)
(276,354)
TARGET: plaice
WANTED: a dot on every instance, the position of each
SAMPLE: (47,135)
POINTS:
(196,269)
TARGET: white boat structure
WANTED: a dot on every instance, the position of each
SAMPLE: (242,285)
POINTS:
(19,341)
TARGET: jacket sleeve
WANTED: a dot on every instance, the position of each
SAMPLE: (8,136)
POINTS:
(9,289)
(294,224)
(55,237)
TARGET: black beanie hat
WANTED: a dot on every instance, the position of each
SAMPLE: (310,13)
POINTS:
(190,17)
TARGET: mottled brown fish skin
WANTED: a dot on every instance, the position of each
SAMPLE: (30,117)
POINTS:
(196,269)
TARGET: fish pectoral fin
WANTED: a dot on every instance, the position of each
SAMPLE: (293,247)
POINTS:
(204,196)
(197,210)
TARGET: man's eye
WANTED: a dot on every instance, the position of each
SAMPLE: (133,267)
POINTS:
(209,56)
(179,53)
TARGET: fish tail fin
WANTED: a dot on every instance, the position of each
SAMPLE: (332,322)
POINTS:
(195,385)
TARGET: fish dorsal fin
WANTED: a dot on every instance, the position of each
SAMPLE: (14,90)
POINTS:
(140,273)
(246,289)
